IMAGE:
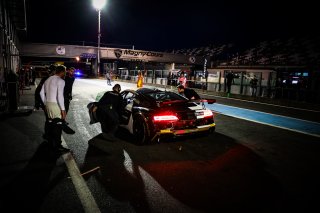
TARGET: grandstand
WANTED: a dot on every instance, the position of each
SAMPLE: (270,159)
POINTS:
(291,52)
(286,68)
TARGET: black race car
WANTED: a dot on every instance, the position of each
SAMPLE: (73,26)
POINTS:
(150,114)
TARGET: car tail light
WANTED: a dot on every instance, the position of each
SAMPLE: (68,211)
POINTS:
(159,118)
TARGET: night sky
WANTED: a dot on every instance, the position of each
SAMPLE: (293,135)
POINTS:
(169,24)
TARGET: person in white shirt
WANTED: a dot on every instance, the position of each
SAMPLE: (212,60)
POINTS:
(52,96)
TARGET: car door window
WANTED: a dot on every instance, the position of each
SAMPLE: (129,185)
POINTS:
(129,101)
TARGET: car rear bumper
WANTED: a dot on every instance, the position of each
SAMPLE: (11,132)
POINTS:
(181,132)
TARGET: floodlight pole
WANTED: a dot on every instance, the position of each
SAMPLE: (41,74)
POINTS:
(98,4)
(99,36)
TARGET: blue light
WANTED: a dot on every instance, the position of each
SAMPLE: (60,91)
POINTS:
(77,72)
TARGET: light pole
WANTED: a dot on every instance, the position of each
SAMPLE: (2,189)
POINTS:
(98,5)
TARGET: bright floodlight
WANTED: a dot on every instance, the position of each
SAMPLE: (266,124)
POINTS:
(98,4)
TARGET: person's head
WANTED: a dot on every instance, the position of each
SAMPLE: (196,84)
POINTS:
(52,69)
(71,71)
(180,89)
(116,88)
(61,71)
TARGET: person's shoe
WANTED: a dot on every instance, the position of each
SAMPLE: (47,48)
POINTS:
(67,129)
(63,149)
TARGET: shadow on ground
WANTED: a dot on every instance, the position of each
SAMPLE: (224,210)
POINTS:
(28,189)
(193,174)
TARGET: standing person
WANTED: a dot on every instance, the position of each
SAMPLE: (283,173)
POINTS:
(230,81)
(67,93)
(183,80)
(108,112)
(37,98)
(22,78)
(188,93)
(108,77)
(33,75)
(52,97)
(69,80)
(38,103)
(254,85)
(140,80)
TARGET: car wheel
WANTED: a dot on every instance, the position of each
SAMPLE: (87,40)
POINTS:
(212,130)
(140,131)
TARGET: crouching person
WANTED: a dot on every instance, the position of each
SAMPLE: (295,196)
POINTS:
(52,97)
(108,112)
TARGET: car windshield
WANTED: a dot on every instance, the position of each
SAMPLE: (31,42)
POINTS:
(165,96)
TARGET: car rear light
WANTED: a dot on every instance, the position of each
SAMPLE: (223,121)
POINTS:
(159,118)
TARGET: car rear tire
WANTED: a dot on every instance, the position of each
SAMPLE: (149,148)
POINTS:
(140,131)
(212,130)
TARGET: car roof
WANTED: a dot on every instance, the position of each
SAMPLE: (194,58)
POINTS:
(149,93)
(148,90)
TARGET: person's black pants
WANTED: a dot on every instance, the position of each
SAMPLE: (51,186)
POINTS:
(66,105)
(228,88)
(55,132)
(110,121)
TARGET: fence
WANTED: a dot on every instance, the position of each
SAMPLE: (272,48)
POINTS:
(241,85)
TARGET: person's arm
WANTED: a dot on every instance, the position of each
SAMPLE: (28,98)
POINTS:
(196,95)
(191,94)
(72,79)
(60,97)
(42,95)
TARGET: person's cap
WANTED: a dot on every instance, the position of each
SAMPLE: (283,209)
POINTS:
(180,86)
(72,68)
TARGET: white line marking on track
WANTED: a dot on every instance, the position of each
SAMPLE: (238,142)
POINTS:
(267,113)
(88,202)
(276,105)
(281,127)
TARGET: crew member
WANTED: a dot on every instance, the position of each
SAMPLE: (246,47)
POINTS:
(108,112)
(69,80)
(52,97)
(188,92)
(182,80)
(38,103)
(140,80)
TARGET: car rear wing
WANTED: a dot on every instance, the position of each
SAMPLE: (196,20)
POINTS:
(209,101)
(164,103)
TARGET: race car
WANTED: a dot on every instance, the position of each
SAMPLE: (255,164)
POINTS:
(150,114)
